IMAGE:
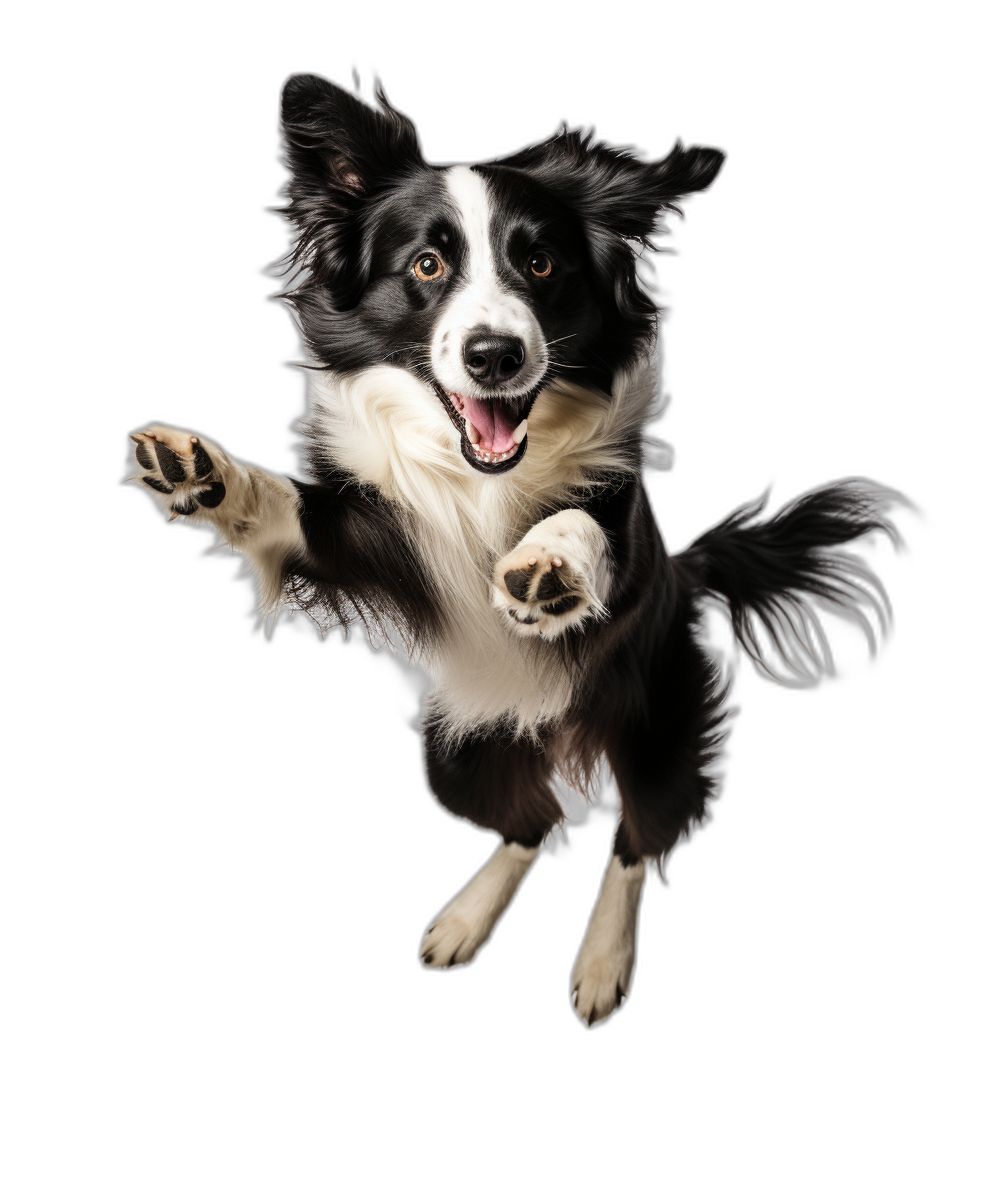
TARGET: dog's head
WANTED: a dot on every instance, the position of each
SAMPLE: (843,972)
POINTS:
(484,281)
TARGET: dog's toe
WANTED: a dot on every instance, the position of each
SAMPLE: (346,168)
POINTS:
(450,941)
(600,986)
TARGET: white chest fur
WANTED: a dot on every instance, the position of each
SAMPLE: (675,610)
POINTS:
(389,429)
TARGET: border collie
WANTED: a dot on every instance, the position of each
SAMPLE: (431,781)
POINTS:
(484,367)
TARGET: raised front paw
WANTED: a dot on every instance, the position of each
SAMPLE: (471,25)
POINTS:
(187,472)
(556,577)
(541,592)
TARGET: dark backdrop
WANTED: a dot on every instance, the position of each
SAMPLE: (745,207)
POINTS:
(276,856)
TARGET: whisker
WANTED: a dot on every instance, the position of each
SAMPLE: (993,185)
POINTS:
(408,349)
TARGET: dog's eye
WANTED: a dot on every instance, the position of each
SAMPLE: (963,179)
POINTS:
(428,267)
(540,265)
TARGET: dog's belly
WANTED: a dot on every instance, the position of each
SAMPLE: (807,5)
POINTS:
(484,674)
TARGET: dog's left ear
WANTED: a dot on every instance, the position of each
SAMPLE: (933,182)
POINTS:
(610,187)
(637,193)
(685,171)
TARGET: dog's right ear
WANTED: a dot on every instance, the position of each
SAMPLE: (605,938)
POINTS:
(340,152)
(340,145)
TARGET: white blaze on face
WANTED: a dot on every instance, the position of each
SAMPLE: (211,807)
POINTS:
(482,300)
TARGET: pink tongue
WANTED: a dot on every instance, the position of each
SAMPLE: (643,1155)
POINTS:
(494,420)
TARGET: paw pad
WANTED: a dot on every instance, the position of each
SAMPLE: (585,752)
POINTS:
(180,467)
(539,585)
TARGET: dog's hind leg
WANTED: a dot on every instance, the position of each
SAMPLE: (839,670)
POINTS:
(465,923)
(661,762)
(500,783)
(601,977)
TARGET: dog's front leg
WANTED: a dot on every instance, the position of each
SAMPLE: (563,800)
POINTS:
(557,577)
(254,511)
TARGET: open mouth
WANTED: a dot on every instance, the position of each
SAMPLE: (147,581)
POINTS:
(494,431)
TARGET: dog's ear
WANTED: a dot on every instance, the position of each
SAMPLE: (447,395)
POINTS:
(342,145)
(634,194)
(617,198)
(610,187)
(340,152)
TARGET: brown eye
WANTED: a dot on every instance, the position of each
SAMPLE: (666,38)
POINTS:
(428,267)
(540,265)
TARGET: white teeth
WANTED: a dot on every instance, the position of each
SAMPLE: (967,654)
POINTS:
(521,431)
(474,436)
(495,458)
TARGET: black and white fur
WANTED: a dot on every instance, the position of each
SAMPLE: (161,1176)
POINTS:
(484,369)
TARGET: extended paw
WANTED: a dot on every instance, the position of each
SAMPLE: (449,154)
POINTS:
(542,591)
(186,471)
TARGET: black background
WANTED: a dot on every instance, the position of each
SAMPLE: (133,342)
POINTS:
(275,854)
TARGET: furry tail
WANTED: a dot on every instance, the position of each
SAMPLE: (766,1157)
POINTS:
(772,575)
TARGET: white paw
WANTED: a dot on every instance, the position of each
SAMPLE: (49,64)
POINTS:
(466,922)
(601,978)
(556,577)
(188,473)
(454,937)
(601,982)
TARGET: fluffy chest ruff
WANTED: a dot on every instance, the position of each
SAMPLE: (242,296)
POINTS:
(389,430)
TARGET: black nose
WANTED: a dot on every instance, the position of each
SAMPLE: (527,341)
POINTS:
(492,357)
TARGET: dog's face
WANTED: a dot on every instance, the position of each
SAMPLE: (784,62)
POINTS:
(485,281)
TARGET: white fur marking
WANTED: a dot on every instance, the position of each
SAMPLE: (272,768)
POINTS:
(388,428)
(466,922)
(482,300)
(602,972)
